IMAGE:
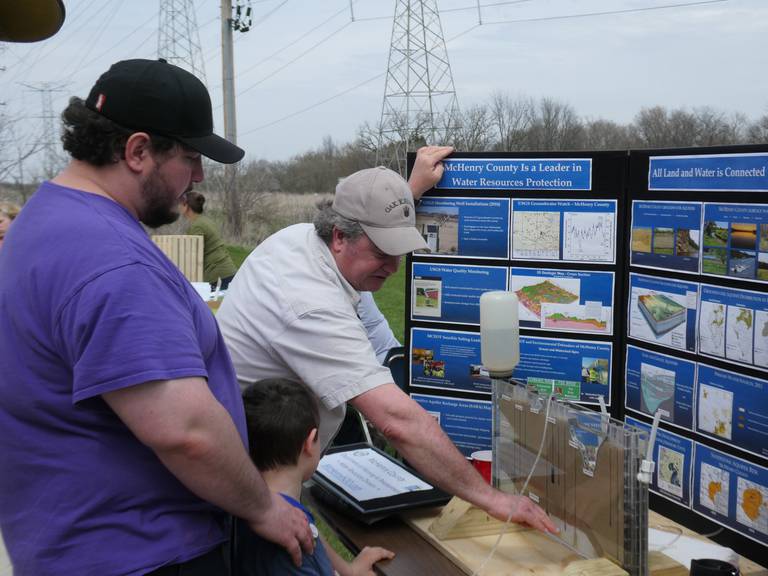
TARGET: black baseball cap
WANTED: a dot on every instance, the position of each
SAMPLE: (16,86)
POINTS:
(158,97)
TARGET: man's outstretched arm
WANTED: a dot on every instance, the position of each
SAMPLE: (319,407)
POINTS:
(419,438)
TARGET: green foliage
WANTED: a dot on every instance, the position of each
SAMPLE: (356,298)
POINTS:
(238,254)
(391,302)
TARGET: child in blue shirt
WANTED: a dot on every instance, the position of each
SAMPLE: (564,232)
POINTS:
(282,417)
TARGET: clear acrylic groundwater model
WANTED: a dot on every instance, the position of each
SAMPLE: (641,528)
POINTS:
(585,477)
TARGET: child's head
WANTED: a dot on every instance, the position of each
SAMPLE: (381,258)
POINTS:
(281,415)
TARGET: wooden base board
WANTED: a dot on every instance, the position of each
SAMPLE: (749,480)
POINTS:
(520,551)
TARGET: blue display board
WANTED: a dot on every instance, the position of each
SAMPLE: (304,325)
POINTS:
(447,360)
(574,370)
(465,227)
(733,325)
(732,408)
(673,455)
(711,172)
(564,300)
(735,241)
(451,292)
(731,491)
(663,311)
(466,422)
(666,235)
(660,382)
(566,230)
(516,174)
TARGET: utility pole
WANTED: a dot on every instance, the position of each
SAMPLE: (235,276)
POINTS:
(420,105)
(178,39)
(239,20)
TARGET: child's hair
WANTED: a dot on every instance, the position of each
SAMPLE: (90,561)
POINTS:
(280,413)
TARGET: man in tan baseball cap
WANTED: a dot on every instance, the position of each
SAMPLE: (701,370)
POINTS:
(292,312)
(380,200)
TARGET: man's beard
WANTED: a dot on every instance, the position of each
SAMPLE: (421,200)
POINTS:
(159,202)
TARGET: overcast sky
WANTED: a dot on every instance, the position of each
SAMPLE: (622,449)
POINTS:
(309,55)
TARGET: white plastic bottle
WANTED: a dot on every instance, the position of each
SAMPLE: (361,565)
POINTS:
(499,333)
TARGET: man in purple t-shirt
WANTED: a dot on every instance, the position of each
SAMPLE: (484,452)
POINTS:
(122,432)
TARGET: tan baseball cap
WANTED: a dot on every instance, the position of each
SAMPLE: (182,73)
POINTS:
(381,201)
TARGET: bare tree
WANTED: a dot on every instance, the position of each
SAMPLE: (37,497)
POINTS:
(476,130)
(511,118)
(607,135)
(556,126)
(757,132)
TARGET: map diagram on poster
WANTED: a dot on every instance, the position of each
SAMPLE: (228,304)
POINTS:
(715,407)
(566,230)
(536,236)
(713,488)
(752,505)
(731,491)
(733,325)
(731,408)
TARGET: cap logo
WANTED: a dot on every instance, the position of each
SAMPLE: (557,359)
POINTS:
(406,211)
(100,102)
(395,204)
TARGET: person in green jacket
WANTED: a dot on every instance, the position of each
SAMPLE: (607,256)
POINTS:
(216,260)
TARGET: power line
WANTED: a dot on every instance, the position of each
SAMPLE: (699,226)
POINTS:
(315,105)
(340,94)
(290,44)
(607,12)
(471,28)
(299,56)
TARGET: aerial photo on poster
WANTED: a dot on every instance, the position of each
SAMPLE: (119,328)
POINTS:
(565,230)
(657,381)
(466,422)
(464,227)
(731,491)
(733,325)
(451,292)
(732,408)
(673,455)
(666,235)
(735,241)
(663,311)
(564,300)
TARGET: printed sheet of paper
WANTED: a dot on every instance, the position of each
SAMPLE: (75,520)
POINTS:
(365,474)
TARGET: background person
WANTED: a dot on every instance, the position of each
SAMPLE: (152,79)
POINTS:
(122,432)
(282,418)
(217,262)
(8,212)
(291,312)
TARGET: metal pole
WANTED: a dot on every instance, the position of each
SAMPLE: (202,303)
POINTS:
(230,124)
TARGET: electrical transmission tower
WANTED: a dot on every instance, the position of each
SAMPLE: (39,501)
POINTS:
(420,104)
(178,40)
(50,136)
